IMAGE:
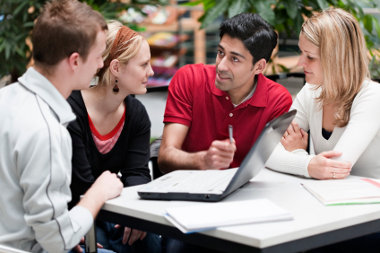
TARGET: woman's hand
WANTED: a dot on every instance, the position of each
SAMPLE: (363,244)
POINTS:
(131,235)
(323,167)
(294,138)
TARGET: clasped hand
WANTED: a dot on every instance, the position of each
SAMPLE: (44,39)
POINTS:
(294,138)
(321,166)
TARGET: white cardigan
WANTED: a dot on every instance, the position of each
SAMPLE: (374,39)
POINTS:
(359,141)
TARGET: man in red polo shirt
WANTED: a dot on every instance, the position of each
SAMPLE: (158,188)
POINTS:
(204,99)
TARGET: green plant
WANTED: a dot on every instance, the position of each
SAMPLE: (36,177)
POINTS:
(287,16)
(17,20)
(374,68)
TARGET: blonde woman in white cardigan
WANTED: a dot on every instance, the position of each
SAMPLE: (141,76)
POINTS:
(339,104)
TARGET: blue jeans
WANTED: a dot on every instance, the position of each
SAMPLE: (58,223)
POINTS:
(111,238)
(99,251)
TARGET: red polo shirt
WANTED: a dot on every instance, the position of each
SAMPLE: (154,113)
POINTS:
(194,101)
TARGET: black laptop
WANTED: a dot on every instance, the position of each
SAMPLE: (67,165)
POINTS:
(214,185)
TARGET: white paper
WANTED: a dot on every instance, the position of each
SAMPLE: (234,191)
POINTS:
(346,191)
(206,216)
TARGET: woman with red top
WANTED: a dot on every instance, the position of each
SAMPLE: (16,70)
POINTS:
(112,131)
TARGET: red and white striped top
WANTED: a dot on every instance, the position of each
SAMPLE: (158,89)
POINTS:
(104,143)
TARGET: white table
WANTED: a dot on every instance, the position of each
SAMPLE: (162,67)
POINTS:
(314,224)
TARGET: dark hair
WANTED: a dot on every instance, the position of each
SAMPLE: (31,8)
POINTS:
(255,33)
(65,27)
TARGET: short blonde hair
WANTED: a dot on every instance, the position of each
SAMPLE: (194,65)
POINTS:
(344,58)
(129,49)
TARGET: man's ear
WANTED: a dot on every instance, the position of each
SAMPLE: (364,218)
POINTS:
(73,60)
(114,67)
(259,66)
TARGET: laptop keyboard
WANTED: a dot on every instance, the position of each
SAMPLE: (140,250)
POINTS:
(205,181)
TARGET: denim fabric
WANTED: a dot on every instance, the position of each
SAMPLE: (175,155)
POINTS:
(99,250)
(111,238)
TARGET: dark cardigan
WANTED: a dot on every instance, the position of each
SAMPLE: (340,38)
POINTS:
(130,155)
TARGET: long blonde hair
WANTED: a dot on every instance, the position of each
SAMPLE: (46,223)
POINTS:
(128,49)
(344,58)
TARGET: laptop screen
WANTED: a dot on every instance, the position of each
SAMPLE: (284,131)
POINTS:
(256,158)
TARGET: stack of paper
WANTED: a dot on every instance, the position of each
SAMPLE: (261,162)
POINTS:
(346,191)
(206,216)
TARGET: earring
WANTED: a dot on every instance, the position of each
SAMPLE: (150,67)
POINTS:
(115,88)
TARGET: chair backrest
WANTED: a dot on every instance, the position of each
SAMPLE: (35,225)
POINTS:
(154,148)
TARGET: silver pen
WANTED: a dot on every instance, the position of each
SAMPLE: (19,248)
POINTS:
(230,133)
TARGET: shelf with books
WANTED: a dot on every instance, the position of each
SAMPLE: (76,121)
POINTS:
(161,78)
(166,52)
(172,33)
(165,40)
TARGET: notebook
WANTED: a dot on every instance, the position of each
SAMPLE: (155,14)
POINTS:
(350,191)
(214,185)
(207,216)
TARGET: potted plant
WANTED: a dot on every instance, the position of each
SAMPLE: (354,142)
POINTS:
(17,20)
(287,17)
(17,17)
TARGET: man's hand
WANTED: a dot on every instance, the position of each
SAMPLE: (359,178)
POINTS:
(171,156)
(108,184)
(219,155)
(323,167)
(105,187)
(294,138)
(79,249)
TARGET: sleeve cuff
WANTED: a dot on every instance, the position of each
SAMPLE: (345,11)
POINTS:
(304,163)
(307,161)
(295,162)
(171,119)
(81,221)
(81,218)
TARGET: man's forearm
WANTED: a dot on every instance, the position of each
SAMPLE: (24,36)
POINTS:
(170,159)
(93,200)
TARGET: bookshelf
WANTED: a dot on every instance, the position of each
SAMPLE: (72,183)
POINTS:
(167,30)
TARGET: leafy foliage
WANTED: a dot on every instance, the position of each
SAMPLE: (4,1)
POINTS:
(288,15)
(17,20)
